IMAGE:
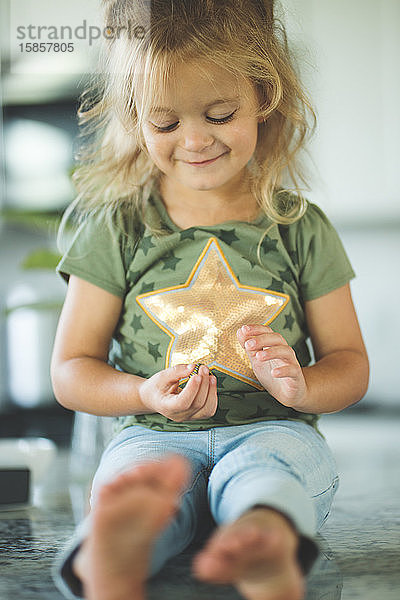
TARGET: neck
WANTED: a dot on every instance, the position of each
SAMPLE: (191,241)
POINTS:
(208,207)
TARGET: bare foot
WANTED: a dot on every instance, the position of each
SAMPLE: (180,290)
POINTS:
(128,516)
(257,554)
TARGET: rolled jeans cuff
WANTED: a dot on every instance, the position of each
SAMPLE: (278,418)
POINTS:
(287,497)
(307,550)
(63,575)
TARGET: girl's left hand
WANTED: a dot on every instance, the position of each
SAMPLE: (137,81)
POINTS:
(274,363)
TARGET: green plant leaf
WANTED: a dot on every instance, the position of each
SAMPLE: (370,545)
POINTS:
(43,258)
(34,219)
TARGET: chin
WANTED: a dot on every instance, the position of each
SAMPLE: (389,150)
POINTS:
(204,188)
(204,183)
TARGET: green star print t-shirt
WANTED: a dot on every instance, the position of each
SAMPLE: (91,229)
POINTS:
(186,292)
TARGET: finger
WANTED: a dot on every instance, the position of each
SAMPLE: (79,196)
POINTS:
(241,336)
(265,340)
(285,353)
(171,376)
(210,407)
(203,378)
(193,396)
(180,399)
(291,371)
(248,331)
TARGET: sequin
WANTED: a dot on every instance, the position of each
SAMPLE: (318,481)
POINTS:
(203,315)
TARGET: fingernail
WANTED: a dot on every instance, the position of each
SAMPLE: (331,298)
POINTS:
(245,328)
(250,343)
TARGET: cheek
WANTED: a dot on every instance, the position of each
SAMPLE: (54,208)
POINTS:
(157,148)
(244,138)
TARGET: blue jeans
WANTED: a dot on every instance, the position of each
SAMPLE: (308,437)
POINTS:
(286,465)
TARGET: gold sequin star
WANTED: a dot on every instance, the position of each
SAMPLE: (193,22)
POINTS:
(202,315)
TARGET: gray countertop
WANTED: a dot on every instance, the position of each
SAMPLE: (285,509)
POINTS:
(360,541)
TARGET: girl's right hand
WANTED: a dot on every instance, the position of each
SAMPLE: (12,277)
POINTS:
(198,400)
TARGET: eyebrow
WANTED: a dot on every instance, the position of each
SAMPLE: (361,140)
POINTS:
(213,103)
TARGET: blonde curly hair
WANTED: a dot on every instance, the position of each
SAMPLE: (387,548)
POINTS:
(245,37)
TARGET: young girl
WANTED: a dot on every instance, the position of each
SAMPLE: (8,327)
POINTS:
(191,251)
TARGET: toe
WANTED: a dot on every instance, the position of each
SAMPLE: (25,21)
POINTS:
(174,472)
(171,472)
(208,567)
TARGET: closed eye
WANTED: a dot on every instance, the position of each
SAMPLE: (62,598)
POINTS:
(211,119)
(222,119)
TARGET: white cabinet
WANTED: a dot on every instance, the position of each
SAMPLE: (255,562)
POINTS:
(351,68)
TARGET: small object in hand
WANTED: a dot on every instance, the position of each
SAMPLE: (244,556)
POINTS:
(195,370)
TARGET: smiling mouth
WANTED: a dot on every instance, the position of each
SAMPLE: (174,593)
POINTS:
(205,162)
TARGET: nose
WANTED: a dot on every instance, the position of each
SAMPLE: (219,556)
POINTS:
(195,137)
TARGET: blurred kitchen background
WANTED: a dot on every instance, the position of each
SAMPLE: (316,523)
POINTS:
(348,53)
(39,96)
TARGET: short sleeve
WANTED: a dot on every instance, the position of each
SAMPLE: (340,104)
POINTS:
(324,264)
(95,254)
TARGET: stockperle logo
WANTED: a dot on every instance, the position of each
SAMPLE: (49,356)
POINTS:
(44,32)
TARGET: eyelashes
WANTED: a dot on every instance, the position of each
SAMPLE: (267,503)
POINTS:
(211,119)
(223,119)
